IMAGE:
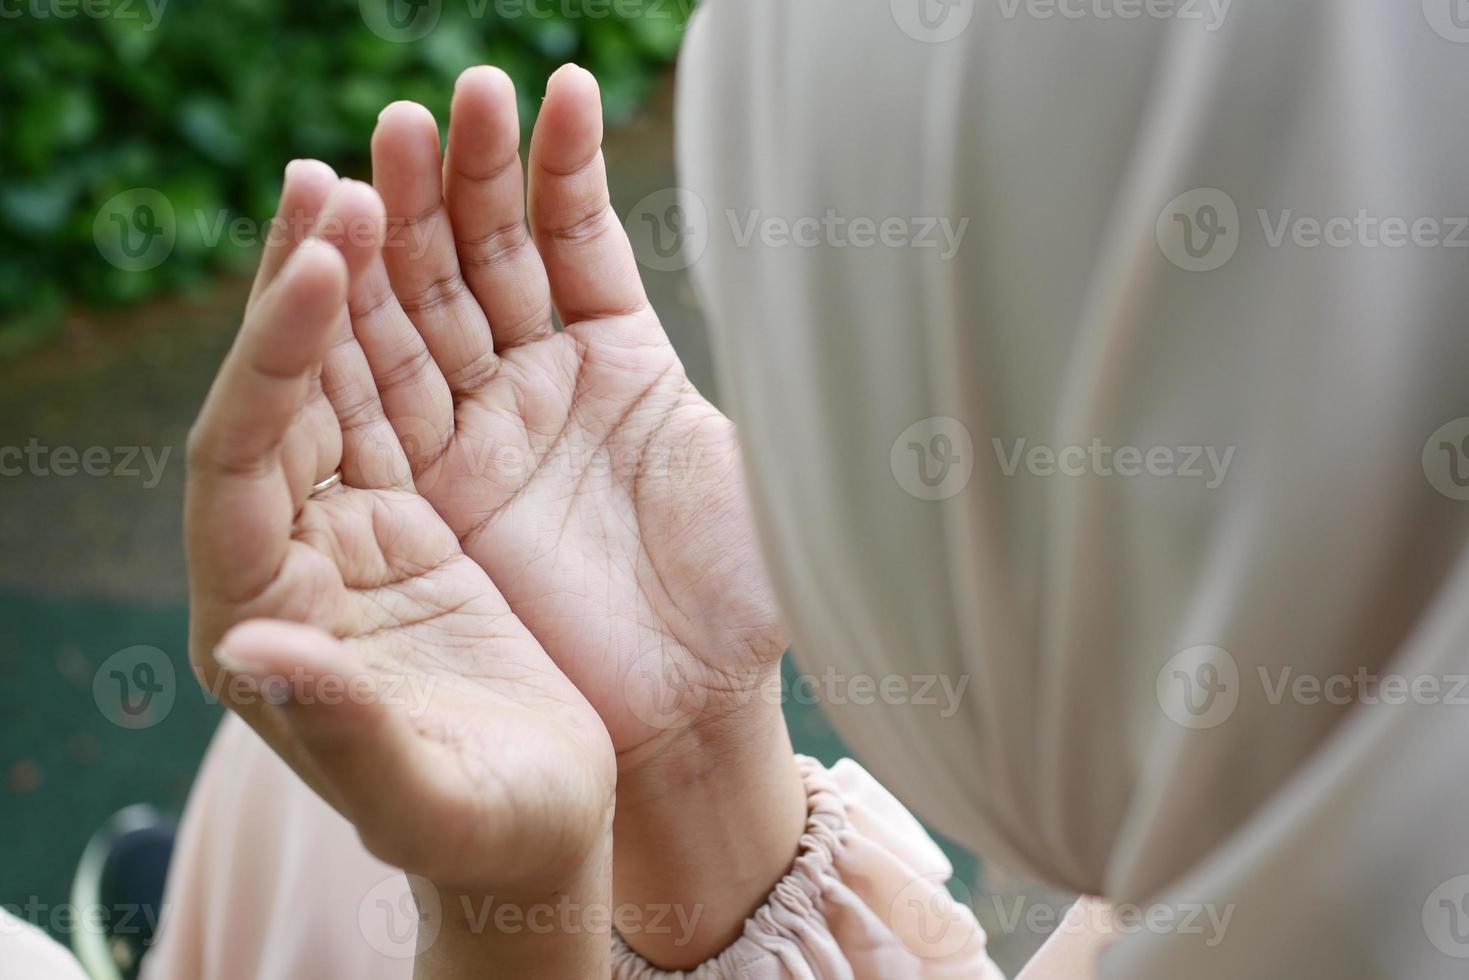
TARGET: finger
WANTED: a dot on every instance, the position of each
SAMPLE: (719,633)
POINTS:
(312,450)
(315,445)
(593,272)
(263,381)
(239,501)
(304,190)
(420,256)
(329,706)
(372,454)
(484,188)
(414,395)
(353,220)
(265,377)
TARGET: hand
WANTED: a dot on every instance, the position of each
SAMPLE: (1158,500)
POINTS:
(601,492)
(580,468)
(312,615)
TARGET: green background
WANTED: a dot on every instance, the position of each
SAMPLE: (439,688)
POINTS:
(205,100)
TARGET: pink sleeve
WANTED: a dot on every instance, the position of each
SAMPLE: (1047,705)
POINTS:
(26,953)
(865,898)
(269,881)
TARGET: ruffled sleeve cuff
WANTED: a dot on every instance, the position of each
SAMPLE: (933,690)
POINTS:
(865,897)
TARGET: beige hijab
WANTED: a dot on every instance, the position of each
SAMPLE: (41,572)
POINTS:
(1160,452)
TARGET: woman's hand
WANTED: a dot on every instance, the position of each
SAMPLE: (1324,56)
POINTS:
(599,489)
(351,630)
(580,468)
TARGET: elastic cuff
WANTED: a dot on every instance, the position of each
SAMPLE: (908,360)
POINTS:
(794,908)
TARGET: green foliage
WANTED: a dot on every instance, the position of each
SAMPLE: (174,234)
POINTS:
(204,101)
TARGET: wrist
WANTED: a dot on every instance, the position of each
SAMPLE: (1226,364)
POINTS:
(705,828)
(547,929)
(707,737)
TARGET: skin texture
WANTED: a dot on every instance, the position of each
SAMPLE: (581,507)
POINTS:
(579,467)
(549,525)
(601,492)
(308,610)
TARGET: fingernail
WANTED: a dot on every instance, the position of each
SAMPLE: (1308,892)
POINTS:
(239,662)
(403,105)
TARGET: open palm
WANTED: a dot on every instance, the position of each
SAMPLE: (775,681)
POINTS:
(348,626)
(580,468)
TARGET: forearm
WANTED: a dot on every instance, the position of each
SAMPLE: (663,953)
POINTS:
(704,832)
(481,935)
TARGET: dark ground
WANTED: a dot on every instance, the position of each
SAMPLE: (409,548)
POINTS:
(91,566)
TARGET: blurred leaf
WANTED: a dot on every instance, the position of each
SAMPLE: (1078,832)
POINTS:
(659,34)
(209,100)
(132,38)
(555,38)
(453,47)
(206,124)
(55,119)
(38,208)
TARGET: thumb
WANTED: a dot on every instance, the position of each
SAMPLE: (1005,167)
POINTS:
(337,710)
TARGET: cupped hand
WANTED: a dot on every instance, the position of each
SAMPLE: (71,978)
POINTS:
(349,627)
(579,467)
